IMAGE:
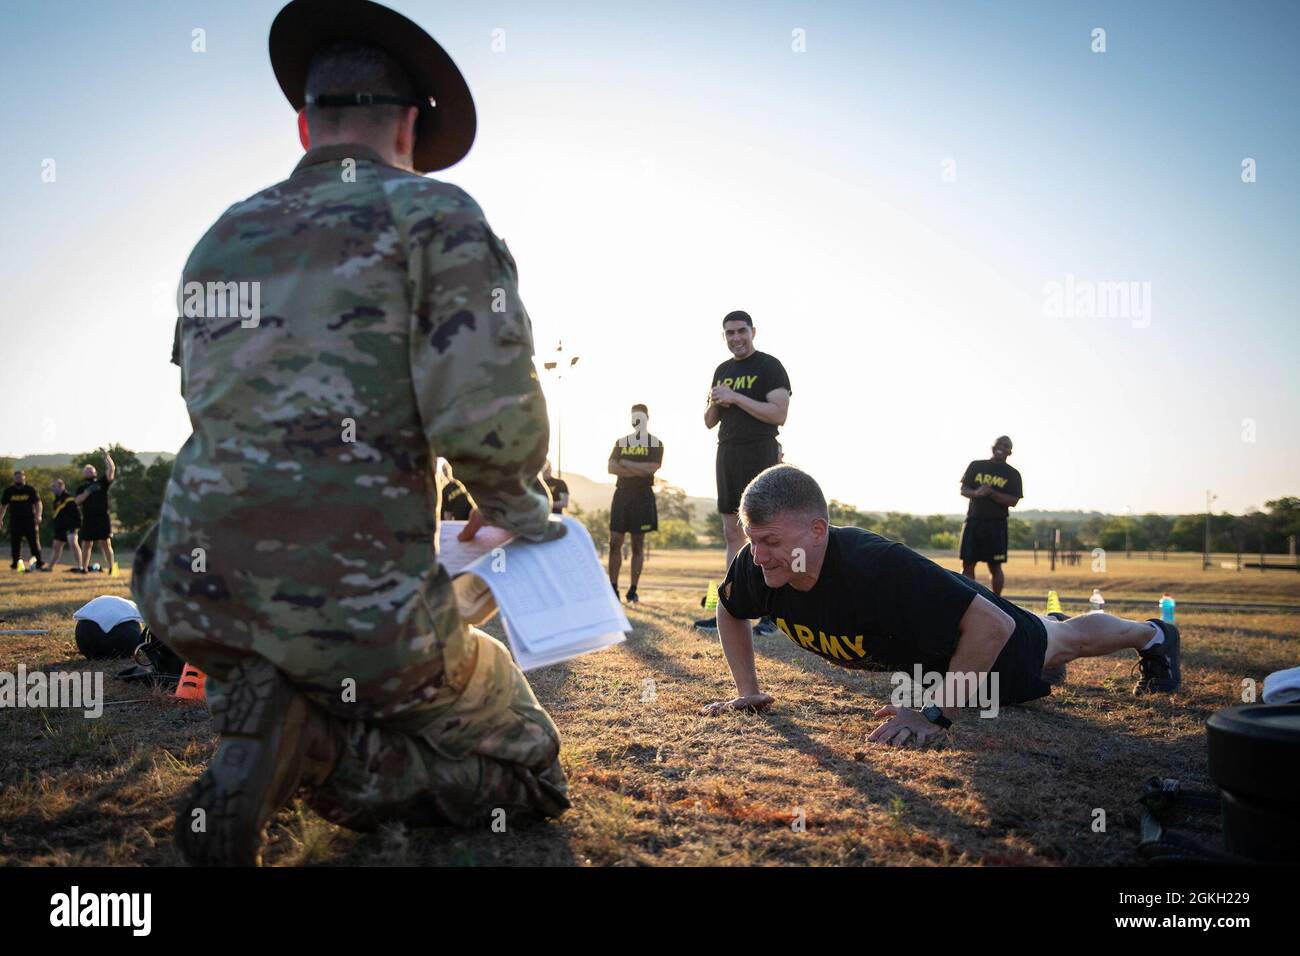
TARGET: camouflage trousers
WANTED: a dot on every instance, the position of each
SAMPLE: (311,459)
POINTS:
(490,748)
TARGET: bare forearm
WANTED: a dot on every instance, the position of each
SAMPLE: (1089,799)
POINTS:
(985,630)
(640,469)
(768,412)
(1007,501)
(712,415)
(738,648)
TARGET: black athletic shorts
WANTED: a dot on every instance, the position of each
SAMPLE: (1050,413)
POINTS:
(1020,665)
(737,464)
(62,529)
(96,528)
(984,539)
(633,509)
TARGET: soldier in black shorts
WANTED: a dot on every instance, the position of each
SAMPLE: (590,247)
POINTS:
(635,459)
(861,601)
(559,489)
(22,504)
(749,398)
(993,488)
(96,520)
(67,519)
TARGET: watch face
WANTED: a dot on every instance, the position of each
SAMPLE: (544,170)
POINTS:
(934,715)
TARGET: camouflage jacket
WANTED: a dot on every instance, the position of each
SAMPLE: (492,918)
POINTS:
(337,332)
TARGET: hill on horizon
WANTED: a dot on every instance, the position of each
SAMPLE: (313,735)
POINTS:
(56,459)
(592,495)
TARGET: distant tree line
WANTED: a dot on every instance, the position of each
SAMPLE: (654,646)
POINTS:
(679,528)
(1266,530)
(135,498)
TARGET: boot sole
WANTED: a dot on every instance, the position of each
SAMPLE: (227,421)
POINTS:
(254,772)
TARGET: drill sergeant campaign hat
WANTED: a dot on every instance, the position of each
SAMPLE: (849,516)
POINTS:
(444,129)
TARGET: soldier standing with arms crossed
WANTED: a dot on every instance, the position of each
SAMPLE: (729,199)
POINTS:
(749,399)
(993,488)
(634,460)
(337,658)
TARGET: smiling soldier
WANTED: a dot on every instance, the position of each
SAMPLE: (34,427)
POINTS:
(862,601)
(748,404)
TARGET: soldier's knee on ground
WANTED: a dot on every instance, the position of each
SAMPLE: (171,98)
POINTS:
(494,748)
(496,715)
(413,785)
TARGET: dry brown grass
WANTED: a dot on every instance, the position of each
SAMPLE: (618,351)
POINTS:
(653,782)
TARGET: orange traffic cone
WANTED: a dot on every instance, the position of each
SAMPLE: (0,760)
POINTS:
(192,683)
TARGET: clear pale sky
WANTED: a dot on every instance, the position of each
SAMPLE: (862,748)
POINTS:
(654,166)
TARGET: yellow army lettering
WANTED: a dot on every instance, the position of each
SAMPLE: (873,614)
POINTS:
(634,450)
(740,381)
(827,645)
(997,481)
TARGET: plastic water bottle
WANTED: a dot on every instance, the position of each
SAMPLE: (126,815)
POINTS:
(1167,604)
(1096,603)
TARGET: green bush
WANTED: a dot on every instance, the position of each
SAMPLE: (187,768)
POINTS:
(673,533)
(943,541)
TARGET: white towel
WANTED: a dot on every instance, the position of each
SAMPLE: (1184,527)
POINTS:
(108,611)
(1282,687)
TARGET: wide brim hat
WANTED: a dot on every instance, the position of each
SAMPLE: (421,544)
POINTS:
(444,130)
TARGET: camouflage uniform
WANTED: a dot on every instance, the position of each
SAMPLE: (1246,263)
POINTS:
(389,307)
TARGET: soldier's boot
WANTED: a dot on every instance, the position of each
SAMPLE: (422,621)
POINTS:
(273,740)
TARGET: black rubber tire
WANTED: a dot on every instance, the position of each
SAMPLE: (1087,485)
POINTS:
(1259,831)
(1254,752)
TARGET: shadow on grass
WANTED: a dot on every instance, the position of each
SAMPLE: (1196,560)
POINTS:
(1037,774)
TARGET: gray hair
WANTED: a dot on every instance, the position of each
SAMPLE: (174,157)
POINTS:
(778,490)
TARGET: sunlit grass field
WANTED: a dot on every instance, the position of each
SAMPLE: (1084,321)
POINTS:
(653,782)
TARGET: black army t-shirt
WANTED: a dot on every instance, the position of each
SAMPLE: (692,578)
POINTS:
(96,503)
(635,448)
(21,500)
(1001,476)
(559,487)
(66,512)
(877,605)
(455,501)
(753,377)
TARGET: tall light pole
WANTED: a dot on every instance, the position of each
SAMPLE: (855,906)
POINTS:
(1205,557)
(558,366)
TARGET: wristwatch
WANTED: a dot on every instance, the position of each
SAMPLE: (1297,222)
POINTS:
(935,715)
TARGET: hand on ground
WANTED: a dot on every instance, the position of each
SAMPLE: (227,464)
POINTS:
(754,703)
(905,728)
